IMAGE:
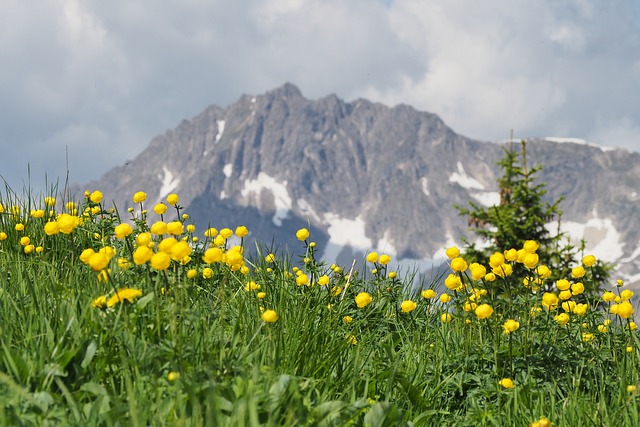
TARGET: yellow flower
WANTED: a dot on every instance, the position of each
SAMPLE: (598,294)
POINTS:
(452,252)
(363,299)
(37,213)
(24,241)
(139,197)
(632,326)
(620,282)
(160,208)
(569,306)
(608,296)
(351,339)
(323,280)
(445,298)
(478,271)
(269,316)
(577,272)
(51,228)
(530,260)
(565,295)
(302,279)
(233,258)
(385,259)
(428,294)
(3,235)
(631,388)
(172,376)
(458,264)
(510,326)
(302,234)
(392,275)
(625,309)
(180,250)
(577,288)
(210,232)
(563,284)
(142,254)
(124,294)
(160,261)
(550,300)
(530,246)
(542,422)
(226,233)
(123,263)
(251,286)
(588,260)
(453,282)
(98,261)
(166,244)
(496,260)
(626,295)
(207,273)
(95,197)
(562,319)
(408,306)
(543,271)
(242,231)
(29,248)
(123,230)
(483,311)
(587,336)
(372,257)
(446,317)
(490,277)
(511,255)
(506,383)
(175,227)
(173,199)
(212,255)
(602,328)
(67,223)
(48,201)
(158,228)
(100,302)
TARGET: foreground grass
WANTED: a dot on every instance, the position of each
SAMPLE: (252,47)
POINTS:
(98,327)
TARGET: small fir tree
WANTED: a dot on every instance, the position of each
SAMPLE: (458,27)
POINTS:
(522,215)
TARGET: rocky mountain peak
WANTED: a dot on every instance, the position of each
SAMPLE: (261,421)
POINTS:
(363,176)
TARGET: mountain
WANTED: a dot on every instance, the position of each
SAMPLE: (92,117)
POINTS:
(363,176)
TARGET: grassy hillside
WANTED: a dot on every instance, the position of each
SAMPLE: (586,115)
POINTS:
(125,318)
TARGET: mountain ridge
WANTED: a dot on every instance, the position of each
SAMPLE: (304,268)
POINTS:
(364,176)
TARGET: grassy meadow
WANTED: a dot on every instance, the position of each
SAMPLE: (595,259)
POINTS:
(132,318)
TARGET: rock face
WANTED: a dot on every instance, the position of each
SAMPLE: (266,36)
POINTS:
(363,176)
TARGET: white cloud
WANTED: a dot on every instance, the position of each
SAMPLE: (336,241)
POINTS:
(103,78)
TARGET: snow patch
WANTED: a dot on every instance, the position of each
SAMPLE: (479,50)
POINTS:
(223,195)
(425,186)
(461,178)
(220,129)
(603,240)
(307,210)
(227,170)
(281,197)
(344,232)
(580,141)
(385,246)
(169,183)
(487,198)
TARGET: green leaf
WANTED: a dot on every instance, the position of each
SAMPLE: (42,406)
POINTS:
(88,355)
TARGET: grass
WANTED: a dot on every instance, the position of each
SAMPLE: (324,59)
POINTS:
(192,348)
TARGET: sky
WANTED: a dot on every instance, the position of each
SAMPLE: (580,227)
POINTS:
(86,84)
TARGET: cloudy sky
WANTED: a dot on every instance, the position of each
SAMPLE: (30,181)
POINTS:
(86,84)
